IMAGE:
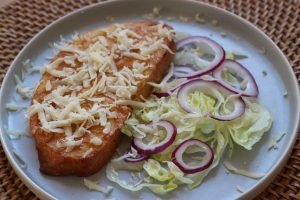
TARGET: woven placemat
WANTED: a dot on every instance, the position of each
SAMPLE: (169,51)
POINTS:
(279,19)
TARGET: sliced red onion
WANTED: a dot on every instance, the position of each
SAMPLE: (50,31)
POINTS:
(148,149)
(138,158)
(177,156)
(161,94)
(205,87)
(219,54)
(251,88)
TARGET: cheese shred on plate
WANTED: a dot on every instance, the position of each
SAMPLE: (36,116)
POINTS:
(89,71)
(91,185)
(12,107)
(231,168)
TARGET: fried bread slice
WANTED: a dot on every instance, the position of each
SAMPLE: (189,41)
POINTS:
(73,116)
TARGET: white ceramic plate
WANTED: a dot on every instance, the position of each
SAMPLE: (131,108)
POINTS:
(241,36)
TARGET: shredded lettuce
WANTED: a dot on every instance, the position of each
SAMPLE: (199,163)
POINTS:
(159,187)
(202,102)
(250,127)
(235,55)
(219,144)
(163,175)
(156,171)
(230,79)
(178,173)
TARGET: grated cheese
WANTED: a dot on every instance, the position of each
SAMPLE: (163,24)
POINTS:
(242,172)
(135,55)
(48,86)
(136,104)
(26,65)
(154,14)
(91,185)
(34,69)
(275,140)
(107,128)
(214,22)
(88,152)
(15,134)
(262,51)
(223,34)
(239,189)
(170,18)
(184,19)
(24,92)
(86,83)
(199,19)
(96,140)
(109,18)
(156,11)
(97,73)
(12,107)
(69,142)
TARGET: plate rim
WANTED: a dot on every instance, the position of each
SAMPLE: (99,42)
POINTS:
(258,187)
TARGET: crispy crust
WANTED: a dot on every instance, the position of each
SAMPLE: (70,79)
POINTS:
(55,161)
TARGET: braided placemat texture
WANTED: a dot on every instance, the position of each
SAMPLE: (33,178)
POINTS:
(279,19)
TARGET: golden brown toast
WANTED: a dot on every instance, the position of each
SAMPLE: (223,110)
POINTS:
(86,158)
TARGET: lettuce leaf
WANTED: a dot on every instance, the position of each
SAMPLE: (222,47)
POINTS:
(158,188)
(156,171)
(250,127)
(201,102)
(218,144)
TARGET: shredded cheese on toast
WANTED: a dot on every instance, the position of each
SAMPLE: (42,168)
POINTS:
(87,83)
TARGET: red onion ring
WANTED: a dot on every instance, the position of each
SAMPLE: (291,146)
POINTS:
(251,89)
(146,149)
(218,50)
(177,156)
(161,94)
(138,158)
(205,87)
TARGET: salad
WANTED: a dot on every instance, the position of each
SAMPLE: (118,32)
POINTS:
(205,104)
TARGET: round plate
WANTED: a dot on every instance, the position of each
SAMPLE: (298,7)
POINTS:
(240,36)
